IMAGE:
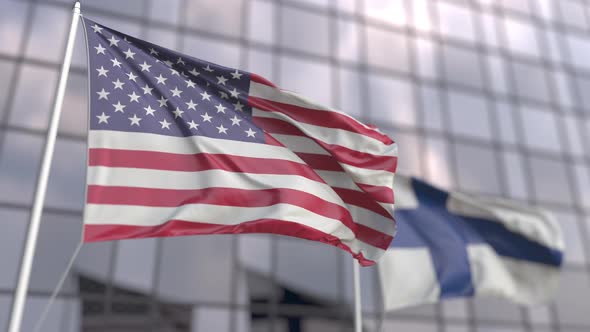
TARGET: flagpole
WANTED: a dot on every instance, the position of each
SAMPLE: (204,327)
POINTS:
(20,295)
(356,279)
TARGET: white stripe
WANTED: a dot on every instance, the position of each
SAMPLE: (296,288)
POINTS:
(350,140)
(158,179)
(517,280)
(185,145)
(300,144)
(103,214)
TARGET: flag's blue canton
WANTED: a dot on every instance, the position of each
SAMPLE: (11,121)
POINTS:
(447,235)
(140,87)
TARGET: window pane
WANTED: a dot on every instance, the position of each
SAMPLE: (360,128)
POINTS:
(12,19)
(515,176)
(572,298)
(32,101)
(67,178)
(531,83)
(522,37)
(390,11)
(305,31)
(540,129)
(47,39)
(504,114)
(388,50)
(19,160)
(573,13)
(477,169)
(469,115)
(582,175)
(571,233)
(261,21)
(427,58)
(431,108)
(550,181)
(497,310)
(409,161)
(14,227)
(392,101)
(348,41)
(579,50)
(206,15)
(350,94)
(455,21)
(310,79)
(462,66)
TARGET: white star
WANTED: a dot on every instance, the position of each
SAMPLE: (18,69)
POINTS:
(116,63)
(191,105)
(125,39)
(234,93)
(103,94)
(223,95)
(134,97)
(135,120)
(147,90)
(129,54)
(194,72)
(113,41)
(168,63)
(102,71)
(180,61)
(238,106)
(118,84)
(145,67)
(178,113)
(163,101)
(154,52)
(149,110)
(103,118)
(174,71)
(206,96)
(221,80)
(208,68)
(96,28)
(206,117)
(165,124)
(99,49)
(220,108)
(235,120)
(176,92)
(131,76)
(236,75)
(193,125)
(250,132)
(161,79)
(222,129)
(119,107)
(190,84)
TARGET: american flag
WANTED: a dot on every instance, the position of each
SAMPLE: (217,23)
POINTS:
(182,146)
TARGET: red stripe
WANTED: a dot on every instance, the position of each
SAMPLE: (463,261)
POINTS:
(93,233)
(342,154)
(361,199)
(234,197)
(259,79)
(380,193)
(320,162)
(323,118)
(197,162)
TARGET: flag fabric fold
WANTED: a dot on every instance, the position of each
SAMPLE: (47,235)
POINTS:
(457,245)
(182,146)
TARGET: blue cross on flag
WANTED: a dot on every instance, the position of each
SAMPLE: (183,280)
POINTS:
(457,245)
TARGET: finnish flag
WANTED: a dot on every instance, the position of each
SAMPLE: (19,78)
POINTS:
(456,245)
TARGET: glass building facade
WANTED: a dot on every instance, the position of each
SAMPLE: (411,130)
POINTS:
(482,96)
